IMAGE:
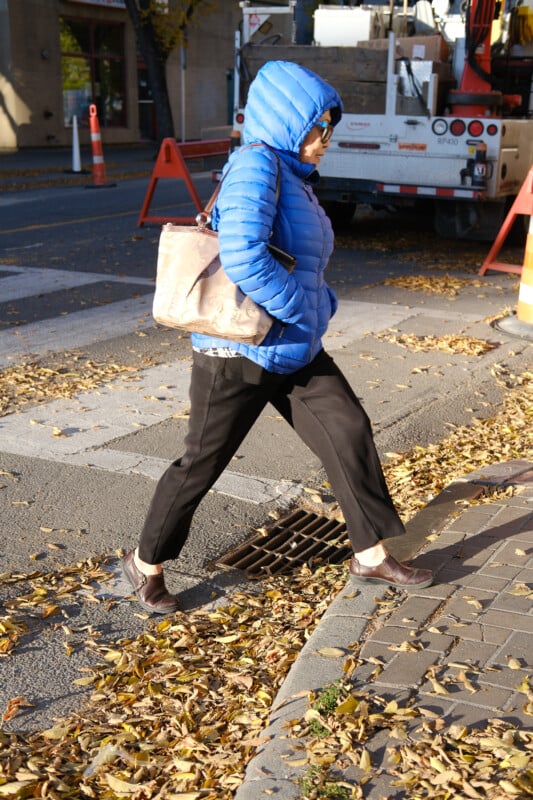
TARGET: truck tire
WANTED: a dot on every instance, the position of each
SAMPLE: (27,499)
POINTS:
(479,222)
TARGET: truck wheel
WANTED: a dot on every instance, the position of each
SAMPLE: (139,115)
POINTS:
(478,222)
(340,214)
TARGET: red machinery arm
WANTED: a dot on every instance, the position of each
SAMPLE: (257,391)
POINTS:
(475,97)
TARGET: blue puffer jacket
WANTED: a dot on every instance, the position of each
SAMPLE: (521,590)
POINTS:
(284,102)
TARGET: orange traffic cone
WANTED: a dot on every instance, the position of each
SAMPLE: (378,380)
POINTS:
(99,176)
(521,325)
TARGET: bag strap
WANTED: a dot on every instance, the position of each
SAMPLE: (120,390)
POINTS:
(204,217)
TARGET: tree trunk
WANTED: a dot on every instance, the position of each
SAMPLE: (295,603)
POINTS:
(157,78)
(155,62)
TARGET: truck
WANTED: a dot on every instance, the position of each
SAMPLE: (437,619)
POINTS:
(438,103)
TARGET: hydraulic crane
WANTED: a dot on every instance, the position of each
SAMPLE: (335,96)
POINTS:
(476,95)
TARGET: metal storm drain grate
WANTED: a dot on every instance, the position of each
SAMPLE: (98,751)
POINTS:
(297,539)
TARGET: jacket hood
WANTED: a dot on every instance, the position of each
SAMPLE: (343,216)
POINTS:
(285,100)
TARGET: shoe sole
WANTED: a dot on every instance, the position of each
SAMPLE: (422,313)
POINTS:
(423,585)
(144,605)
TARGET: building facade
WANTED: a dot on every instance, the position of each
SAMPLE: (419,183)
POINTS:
(59,57)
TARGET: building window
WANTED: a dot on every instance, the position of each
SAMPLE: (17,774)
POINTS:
(92,68)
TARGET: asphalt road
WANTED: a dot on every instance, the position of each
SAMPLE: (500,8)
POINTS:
(77,276)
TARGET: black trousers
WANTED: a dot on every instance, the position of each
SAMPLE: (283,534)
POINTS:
(227,396)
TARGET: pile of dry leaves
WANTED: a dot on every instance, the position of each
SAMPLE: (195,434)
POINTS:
(435,254)
(32,382)
(438,762)
(419,475)
(177,713)
(448,343)
(430,284)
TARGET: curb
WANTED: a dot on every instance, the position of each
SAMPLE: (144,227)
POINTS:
(269,772)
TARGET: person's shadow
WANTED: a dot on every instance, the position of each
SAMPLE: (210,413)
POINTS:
(461,556)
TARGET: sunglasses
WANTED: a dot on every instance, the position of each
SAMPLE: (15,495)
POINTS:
(327,130)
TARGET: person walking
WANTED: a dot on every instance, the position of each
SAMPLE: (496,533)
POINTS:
(266,198)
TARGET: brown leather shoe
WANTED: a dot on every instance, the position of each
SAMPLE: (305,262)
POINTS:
(392,572)
(150,590)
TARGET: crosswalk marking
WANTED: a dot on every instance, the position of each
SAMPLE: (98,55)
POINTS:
(76,328)
(89,423)
(29,281)
(78,431)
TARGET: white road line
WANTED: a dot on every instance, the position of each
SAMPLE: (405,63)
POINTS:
(74,329)
(77,329)
(88,424)
(30,281)
(81,328)
(95,418)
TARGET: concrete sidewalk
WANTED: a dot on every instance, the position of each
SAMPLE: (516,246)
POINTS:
(400,646)
(461,649)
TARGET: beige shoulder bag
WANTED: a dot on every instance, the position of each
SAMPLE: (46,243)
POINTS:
(194,293)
